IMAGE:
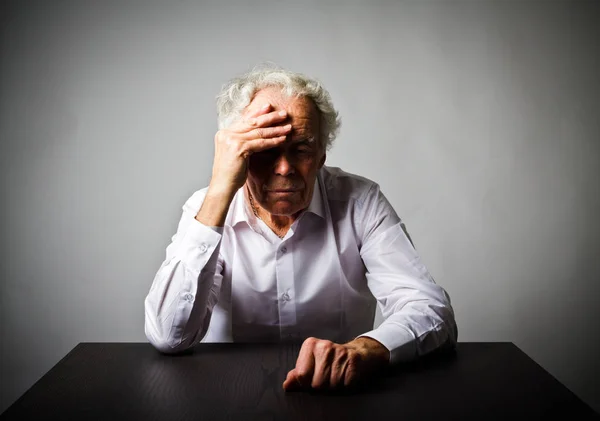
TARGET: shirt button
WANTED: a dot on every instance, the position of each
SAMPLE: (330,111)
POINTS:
(283,249)
(285,297)
(189,297)
(203,248)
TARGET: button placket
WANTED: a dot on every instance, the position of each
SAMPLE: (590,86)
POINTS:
(285,286)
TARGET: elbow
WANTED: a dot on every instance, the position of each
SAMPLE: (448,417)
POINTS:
(158,339)
(454,332)
(163,344)
(161,337)
(452,326)
(444,313)
(159,334)
(446,332)
(451,330)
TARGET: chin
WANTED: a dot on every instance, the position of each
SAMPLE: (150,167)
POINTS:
(285,209)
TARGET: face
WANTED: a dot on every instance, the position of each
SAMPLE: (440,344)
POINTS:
(282,179)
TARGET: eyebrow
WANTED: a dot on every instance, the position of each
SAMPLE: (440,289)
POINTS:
(308,139)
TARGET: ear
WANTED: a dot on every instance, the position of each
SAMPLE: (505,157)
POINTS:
(322,162)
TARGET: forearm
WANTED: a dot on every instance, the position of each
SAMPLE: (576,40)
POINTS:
(213,211)
(418,315)
(184,291)
(416,329)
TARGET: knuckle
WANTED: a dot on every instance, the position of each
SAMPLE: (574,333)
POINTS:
(310,341)
(226,138)
(324,346)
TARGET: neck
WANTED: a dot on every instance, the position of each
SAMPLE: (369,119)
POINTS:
(279,224)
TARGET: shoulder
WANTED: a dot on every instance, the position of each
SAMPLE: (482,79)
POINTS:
(343,186)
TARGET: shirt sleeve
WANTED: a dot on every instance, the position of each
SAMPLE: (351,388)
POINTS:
(417,313)
(186,287)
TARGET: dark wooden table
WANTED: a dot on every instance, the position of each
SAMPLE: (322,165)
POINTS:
(132,381)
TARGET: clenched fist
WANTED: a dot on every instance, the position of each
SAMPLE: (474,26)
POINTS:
(326,365)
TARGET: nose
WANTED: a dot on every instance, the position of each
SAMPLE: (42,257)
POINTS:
(283,166)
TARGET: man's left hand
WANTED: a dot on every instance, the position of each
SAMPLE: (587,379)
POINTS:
(326,365)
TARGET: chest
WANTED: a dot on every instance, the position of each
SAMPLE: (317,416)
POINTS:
(311,277)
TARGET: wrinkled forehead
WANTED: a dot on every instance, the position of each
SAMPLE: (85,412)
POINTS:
(302,112)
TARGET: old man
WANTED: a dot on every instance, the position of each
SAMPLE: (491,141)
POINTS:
(281,247)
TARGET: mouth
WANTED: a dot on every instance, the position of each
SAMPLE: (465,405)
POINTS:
(282,192)
(290,189)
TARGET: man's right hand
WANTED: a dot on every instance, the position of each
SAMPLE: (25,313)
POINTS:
(257,130)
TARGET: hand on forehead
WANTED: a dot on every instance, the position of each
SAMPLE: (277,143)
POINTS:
(268,96)
(302,112)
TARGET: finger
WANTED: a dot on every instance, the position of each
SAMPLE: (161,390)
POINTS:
(291,382)
(266,120)
(269,119)
(289,379)
(251,112)
(351,373)
(324,353)
(258,145)
(305,364)
(267,132)
(336,378)
(255,111)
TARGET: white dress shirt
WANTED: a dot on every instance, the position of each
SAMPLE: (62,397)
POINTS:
(347,252)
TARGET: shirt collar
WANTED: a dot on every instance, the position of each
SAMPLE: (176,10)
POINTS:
(316,203)
(241,212)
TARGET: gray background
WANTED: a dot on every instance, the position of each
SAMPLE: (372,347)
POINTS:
(480,120)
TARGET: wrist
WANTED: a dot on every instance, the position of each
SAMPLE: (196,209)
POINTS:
(215,206)
(371,349)
(221,192)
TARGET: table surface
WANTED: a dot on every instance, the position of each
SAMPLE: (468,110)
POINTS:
(113,381)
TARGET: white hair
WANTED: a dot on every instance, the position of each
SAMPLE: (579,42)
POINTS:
(236,94)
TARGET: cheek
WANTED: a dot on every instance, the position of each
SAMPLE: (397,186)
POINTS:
(308,168)
(255,181)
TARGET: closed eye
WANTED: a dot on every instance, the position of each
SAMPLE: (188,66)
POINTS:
(304,146)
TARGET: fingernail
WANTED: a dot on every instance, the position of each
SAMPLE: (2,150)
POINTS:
(265,106)
(282,113)
(287,126)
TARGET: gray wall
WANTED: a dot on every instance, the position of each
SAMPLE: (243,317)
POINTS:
(480,120)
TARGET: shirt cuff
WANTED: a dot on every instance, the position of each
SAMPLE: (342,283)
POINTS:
(397,339)
(199,243)
(216,229)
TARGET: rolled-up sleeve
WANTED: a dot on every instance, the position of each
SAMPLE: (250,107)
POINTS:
(186,287)
(417,313)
